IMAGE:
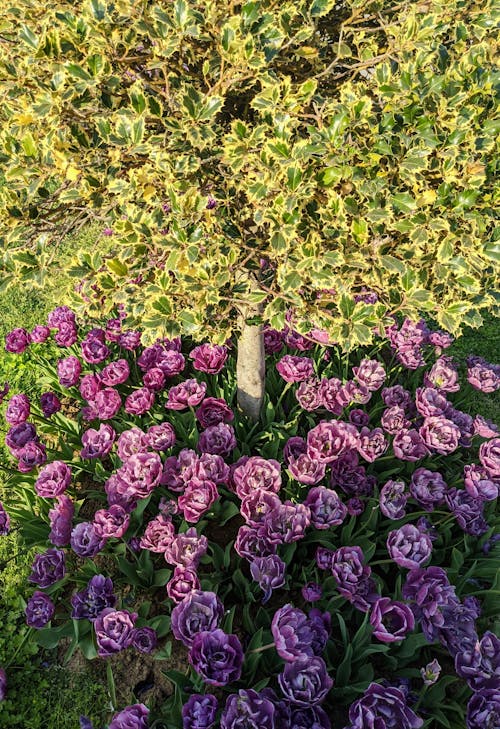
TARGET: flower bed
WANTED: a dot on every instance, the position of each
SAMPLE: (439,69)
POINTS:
(314,570)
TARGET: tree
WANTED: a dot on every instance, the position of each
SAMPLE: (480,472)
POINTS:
(255,158)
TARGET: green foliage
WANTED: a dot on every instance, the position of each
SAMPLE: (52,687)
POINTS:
(348,146)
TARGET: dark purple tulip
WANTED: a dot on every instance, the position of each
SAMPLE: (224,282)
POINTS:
(90,602)
(396,396)
(391,620)
(295,369)
(428,590)
(68,371)
(273,340)
(182,583)
(327,510)
(66,334)
(393,499)
(97,443)
(49,403)
(115,373)
(17,341)
(132,717)
(382,707)
(355,506)
(483,709)
(252,542)
(311,717)
(305,682)
(324,558)
(94,351)
(39,610)
(31,455)
(47,568)
(114,630)
(4,521)
(212,411)
(480,666)
(61,517)
(18,436)
(53,480)
(294,340)
(359,418)
(312,592)
(84,541)
(140,401)
(428,488)
(348,569)
(409,547)
(18,409)
(209,358)
(293,448)
(468,511)
(217,440)
(199,712)
(248,709)
(199,611)
(217,657)
(144,639)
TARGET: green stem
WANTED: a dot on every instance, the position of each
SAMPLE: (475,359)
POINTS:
(111,685)
(262,648)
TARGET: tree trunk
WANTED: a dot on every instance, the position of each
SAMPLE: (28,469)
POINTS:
(251,370)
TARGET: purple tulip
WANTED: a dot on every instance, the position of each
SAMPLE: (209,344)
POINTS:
(330,391)
(394,420)
(197,499)
(295,369)
(39,334)
(310,717)
(382,707)
(140,401)
(112,522)
(18,436)
(187,394)
(17,341)
(94,351)
(30,456)
(39,610)
(182,583)
(372,444)
(84,540)
(217,657)
(443,376)
(430,673)
(327,510)
(269,573)
(485,428)
(440,435)
(199,611)
(97,443)
(49,404)
(396,396)
(68,371)
(312,592)
(483,709)
(273,340)
(90,602)
(478,485)
(212,411)
(391,620)
(187,549)
(59,315)
(66,334)
(106,404)
(306,469)
(132,717)
(248,709)
(257,473)
(296,635)
(114,630)
(428,591)
(217,440)
(393,499)
(144,639)
(18,409)
(431,402)
(142,472)
(53,480)
(154,379)
(48,568)
(409,547)
(286,522)
(370,373)
(209,358)
(409,445)
(428,488)
(329,439)
(480,666)
(4,521)
(130,442)
(489,455)
(199,712)
(468,511)
(483,376)
(61,517)
(309,395)
(252,542)
(305,682)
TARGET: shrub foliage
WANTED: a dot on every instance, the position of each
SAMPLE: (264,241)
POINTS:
(274,154)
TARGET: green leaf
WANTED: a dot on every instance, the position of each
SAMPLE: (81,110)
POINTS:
(321,7)
(117,267)
(75,70)
(28,37)
(294,177)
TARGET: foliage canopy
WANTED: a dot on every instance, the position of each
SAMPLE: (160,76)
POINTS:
(348,146)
